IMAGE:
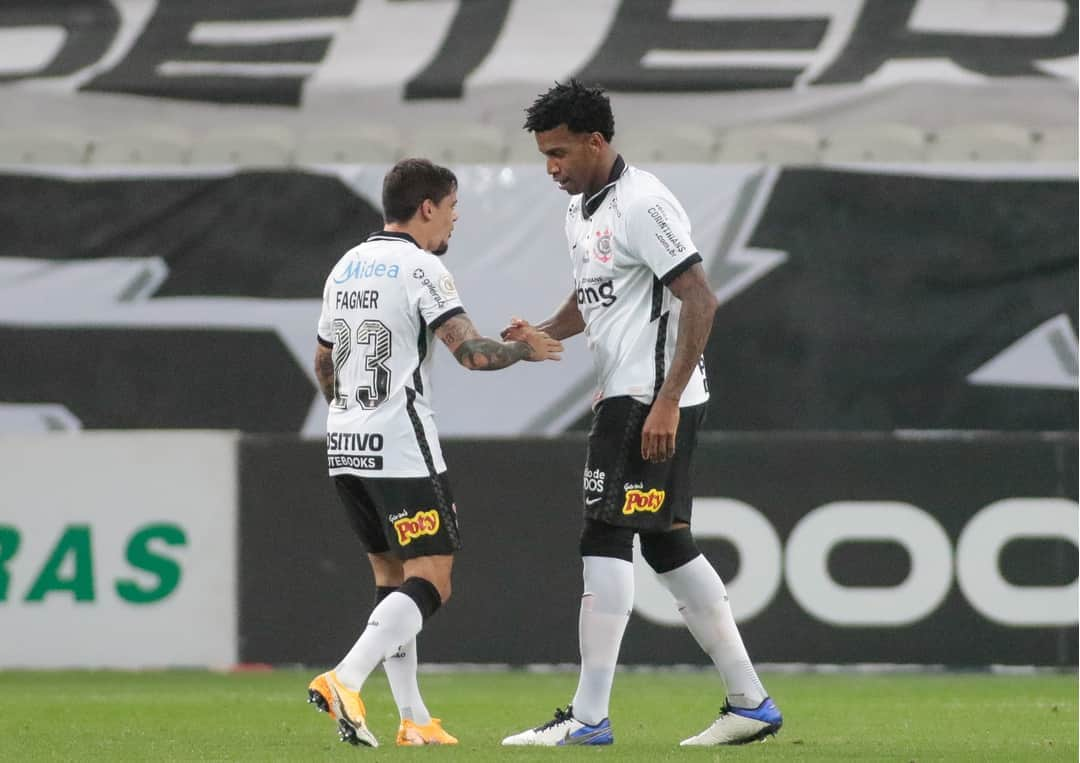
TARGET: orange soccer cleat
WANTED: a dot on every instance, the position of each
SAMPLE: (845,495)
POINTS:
(410,734)
(329,695)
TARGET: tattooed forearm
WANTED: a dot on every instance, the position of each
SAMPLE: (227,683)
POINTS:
(324,371)
(483,354)
(455,331)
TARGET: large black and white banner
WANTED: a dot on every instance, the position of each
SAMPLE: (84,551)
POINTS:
(935,61)
(871,298)
(951,549)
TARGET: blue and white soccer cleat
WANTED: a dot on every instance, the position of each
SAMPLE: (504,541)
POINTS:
(738,725)
(563,729)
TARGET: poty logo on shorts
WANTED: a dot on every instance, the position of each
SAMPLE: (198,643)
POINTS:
(420,523)
(639,500)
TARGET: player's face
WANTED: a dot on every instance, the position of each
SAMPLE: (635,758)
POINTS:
(571,157)
(443,216)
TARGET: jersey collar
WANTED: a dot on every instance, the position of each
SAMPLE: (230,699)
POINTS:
(393,235)
(591,204)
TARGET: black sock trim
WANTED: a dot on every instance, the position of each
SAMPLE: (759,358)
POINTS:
(423,593)
(667,551)
(382,591)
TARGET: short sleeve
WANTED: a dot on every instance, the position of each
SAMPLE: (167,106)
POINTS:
(658,234)
(325,333)
(436,292)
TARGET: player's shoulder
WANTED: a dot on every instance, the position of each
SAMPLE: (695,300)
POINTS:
(343,268)
(421,262)
(636,184)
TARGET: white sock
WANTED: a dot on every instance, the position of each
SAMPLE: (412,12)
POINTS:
(400,667)
(703,603)
(396,620)
(605,610)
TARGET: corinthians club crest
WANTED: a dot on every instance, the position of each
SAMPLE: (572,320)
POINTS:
(602,251)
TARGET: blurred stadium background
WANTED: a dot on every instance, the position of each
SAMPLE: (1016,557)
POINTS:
(885,196)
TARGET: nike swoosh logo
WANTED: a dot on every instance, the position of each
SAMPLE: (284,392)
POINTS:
(591,501)
(583,738)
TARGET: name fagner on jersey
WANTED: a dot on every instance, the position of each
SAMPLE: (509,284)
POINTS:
(627,243)
(381,304)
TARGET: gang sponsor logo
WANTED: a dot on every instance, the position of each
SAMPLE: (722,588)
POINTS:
(359,269)
(667,238)
(596,290)
(641,501)
(419,524)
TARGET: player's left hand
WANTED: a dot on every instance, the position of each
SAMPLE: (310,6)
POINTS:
(658,434)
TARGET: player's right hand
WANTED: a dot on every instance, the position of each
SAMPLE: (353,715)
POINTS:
(543,346)
(514,332)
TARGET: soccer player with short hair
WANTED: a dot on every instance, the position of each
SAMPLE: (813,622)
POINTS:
(641,298)
(383,303)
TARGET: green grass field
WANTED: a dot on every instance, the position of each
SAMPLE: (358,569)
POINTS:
(117,716)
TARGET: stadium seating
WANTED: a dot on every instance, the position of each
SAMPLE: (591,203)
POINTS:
(276,145)
(677,143)
(148,144)
(1056,144)
(885,142)
(262,145)
(43,146)
(521,147)
(774,143)
(980,142)
(457,143)
(348,145)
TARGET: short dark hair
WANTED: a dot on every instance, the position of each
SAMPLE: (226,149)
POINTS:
(409,182)
(581,108)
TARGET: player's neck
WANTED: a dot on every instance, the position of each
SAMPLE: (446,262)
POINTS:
(413,230)
(602,176)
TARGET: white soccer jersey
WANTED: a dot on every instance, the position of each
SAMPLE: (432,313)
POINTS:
(381,304)
(628,242)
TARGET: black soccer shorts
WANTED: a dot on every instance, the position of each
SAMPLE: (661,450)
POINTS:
(623,489)
(409,517)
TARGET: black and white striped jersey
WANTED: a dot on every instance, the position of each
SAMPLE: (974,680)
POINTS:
(628,242)
(381,304)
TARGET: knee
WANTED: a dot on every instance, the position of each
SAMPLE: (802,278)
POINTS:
(666,551)
(427,596)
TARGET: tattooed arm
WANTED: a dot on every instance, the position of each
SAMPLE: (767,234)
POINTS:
(480,353)
(324,370)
